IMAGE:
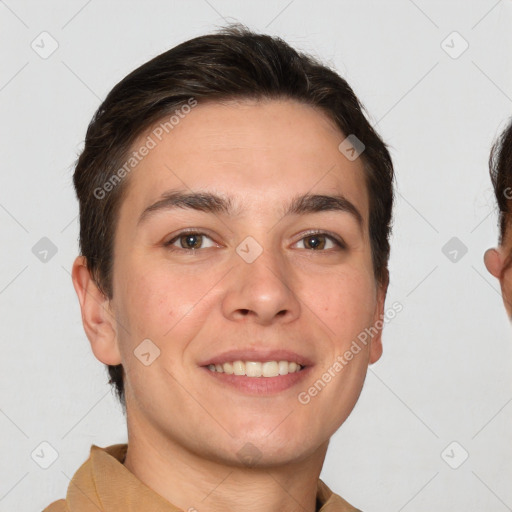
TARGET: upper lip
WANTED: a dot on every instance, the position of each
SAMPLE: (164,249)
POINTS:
(257,355)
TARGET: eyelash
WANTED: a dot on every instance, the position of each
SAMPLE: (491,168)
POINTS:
(169,245)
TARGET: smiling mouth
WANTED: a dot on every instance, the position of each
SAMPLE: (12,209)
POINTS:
(256,368)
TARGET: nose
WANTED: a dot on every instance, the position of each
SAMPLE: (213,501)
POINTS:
(261,291)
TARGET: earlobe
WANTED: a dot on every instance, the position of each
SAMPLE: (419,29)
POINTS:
(98,320)
(493,262)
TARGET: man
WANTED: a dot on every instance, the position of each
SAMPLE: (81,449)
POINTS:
(235,210)
(499,260)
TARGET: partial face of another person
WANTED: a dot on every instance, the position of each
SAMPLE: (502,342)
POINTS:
(255,274)
(499,260)
(496,262)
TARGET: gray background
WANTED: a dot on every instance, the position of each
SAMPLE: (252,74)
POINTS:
(446,372)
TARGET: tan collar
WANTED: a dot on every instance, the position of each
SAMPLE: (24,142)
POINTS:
(104,484)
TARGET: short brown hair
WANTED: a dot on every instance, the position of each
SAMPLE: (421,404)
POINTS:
(234,63)
(500,169)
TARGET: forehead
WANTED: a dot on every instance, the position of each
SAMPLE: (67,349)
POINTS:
(260,152)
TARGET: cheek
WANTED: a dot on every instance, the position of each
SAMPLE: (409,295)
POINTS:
(158,306)
(165,303)
(507,289)
(345,301)
(157,300)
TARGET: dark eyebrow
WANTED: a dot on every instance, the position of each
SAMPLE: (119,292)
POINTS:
(213,203)
(200,201)
(313,203)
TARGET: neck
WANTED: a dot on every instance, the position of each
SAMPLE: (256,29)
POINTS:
(193,483)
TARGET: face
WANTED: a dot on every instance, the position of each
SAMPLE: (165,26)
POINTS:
(252,274)
(496,260)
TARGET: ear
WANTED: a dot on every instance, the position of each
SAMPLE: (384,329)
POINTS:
(97,318)
(493,259)
(376,342)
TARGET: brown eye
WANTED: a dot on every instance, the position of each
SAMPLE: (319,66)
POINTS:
(189,242)
(320,242)
(315,242)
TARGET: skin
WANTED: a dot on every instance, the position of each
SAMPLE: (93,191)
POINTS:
(184,429)
(495,260)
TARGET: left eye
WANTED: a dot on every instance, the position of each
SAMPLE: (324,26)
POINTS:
(319,241)
(190,241)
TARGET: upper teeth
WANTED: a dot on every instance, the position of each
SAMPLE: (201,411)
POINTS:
(256,368)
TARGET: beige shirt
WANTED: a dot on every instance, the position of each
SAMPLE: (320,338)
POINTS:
(104,484)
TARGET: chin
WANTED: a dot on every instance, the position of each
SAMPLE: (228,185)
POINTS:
(268,455)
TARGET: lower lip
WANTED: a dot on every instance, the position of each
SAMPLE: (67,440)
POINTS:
(260,385)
